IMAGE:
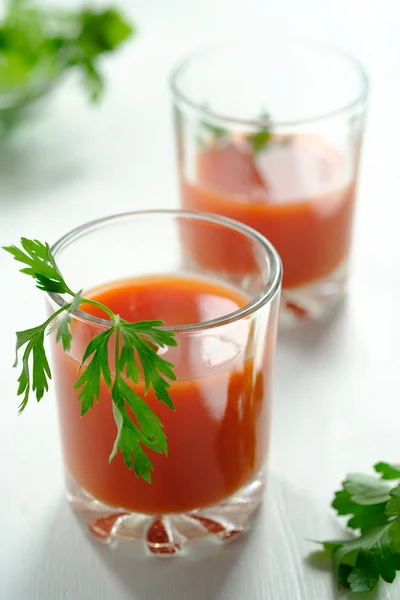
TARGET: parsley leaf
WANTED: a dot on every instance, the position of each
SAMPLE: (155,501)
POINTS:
(148,431)
(38,44)
(41,265)
(366,489)
(138,427)
(260,138)
(98,366)
(34,353)
(372,556)
(388,471)
(393,506)
(34,340)
(374,507)
(362,516)
(99,32)
(128,440)
(63,326)
(154,367)
(217,135)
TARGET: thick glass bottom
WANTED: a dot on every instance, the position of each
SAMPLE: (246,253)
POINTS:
(315,301)
(170,534)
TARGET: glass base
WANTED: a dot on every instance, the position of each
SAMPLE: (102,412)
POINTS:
(315,301)
(171,534)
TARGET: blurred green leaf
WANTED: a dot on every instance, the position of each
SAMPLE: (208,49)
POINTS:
(39,44)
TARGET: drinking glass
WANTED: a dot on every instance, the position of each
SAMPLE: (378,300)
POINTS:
(212,480)
(269,133)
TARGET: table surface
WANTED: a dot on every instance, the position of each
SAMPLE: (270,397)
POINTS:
(336,405)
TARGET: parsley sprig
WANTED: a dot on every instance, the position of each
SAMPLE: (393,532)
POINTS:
(259,139)
(373,505)
(135,357)
(256,141)
(39,44)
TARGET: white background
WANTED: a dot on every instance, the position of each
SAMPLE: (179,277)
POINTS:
(337,387)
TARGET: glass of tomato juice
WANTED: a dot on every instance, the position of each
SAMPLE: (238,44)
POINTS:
(212,479)
(269,133)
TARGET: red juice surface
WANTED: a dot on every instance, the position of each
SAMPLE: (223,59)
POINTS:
(294,193)
(217,435)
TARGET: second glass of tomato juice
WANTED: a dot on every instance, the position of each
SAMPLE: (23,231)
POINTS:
(269,134)
(211,479)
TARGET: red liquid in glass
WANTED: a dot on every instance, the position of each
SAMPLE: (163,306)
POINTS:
(217,435)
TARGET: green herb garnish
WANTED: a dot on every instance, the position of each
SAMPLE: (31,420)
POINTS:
(39,44)
(209,134)
(135,347)
(260,138)
(373,505)
(217,135)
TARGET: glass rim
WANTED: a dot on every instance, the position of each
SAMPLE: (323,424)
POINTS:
(267,294)
(182,97)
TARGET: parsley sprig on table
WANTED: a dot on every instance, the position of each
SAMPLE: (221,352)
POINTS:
(373,505)
(135,355)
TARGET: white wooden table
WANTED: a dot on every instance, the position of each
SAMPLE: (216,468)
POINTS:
(337,387)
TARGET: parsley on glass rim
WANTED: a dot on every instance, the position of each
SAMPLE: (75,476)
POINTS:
(373,505)
(135,351)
